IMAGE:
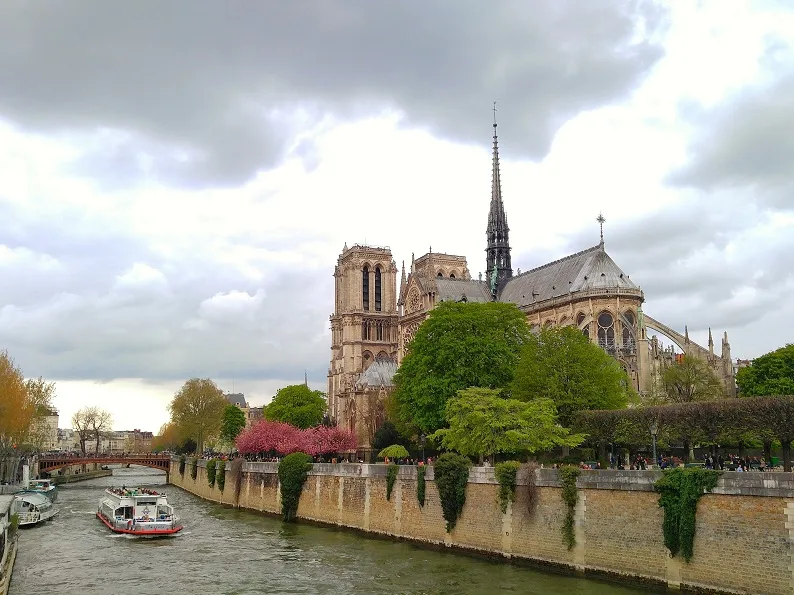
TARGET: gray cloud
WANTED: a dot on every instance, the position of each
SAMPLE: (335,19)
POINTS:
(191,91)
(746,143)
(103,308)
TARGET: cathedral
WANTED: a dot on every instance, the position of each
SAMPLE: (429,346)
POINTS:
(374,319)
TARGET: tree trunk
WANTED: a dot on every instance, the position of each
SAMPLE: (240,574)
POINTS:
(687,450)
(786,455)
(768,451)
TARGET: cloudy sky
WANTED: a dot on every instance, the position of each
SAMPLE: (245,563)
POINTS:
(177,179)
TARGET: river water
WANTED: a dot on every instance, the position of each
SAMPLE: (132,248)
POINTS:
(222,550)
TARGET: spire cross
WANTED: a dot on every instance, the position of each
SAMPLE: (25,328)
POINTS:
(601,221)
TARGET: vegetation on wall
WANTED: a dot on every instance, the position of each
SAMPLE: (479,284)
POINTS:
(506,473)
(292,472)
(193,469)
(420,484)
(532,487)
(237,477)
(211,472)
(570,495)
(391,476)
(182,461)
(679,491)
(220,475)
(452,476)
(12,528)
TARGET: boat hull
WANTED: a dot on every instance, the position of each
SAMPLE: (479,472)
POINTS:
(142,532)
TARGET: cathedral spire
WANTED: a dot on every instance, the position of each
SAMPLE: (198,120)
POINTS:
(498,250)
(711,343)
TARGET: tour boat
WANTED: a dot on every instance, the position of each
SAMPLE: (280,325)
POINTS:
(33,508)
(138,511)
(45,487)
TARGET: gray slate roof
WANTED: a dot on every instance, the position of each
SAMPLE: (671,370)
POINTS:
(583,271)
(452,290)
(380,373)
(236,399)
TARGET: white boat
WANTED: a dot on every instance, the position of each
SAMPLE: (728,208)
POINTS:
(139,511)
(45,487)
(33,508)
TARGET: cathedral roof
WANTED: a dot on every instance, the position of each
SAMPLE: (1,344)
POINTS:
(380,373)
(583,271)
(453,290)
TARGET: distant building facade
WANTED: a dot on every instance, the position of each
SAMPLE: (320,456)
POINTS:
(374,321)
(44,431)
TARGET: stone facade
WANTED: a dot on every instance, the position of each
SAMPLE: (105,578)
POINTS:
(744,542)
(373,320)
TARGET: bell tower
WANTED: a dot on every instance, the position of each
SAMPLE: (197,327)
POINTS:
(364,323)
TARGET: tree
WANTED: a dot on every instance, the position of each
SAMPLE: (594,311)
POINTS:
(81,423)
(458,346)
(197,410)
(297,405)
(775,414)
(691,379)
(768,375)
(101,423)
(232,424)
(386,435)
(41,394)
(483,423)
(16,415)
(563,365)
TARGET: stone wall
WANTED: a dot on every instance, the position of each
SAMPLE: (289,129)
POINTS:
(744,539)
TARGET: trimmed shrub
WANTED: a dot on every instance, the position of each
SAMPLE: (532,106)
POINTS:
(679,491)
(452,476)
(211,472)
(570,495)
(292,472)
(194,469)
(220,475)
(506,476)
(420,484)
(532,487)
(391,477)
(182,461)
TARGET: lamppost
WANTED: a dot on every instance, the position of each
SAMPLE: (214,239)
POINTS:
(654,431)
(422,439)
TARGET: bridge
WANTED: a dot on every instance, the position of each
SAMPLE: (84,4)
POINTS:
(49,463)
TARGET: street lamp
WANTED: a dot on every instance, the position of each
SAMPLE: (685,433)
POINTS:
(654,431)
(422,439)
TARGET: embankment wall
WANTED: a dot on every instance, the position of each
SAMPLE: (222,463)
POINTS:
(744,539)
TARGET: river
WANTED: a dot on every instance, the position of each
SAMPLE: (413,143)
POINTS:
(222,550)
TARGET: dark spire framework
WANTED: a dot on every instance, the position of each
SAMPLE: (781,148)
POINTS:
(498,250)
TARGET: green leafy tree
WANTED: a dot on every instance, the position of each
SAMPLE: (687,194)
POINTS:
(197,410)
(481,422)
(232,424)
(458,346)
(691,379)
(297,405)
(563,365)
(769,375)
